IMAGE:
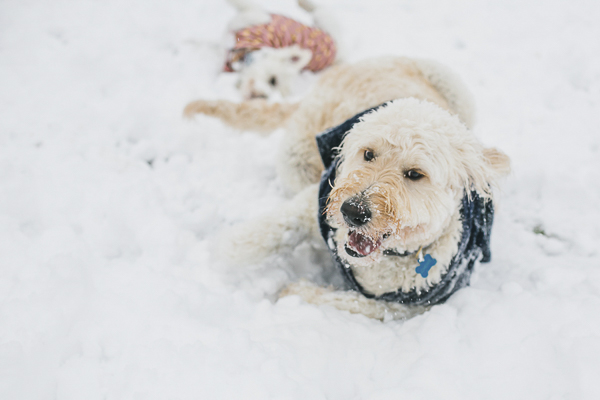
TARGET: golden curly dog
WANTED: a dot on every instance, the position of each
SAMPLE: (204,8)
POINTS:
(403,172)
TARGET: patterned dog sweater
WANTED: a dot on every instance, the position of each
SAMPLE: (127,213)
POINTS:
(284,32)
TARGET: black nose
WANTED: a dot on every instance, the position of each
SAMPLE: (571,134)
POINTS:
(256,95)
(355,212)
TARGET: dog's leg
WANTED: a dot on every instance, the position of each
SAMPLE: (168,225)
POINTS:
(279,232)
(254,115)
(324,19)
(298,161)
(350,301)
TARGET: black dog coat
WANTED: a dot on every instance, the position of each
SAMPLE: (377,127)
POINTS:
(476,216)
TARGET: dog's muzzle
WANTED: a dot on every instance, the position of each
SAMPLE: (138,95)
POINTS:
(357,214)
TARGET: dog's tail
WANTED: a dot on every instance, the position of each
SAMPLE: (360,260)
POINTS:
(450,85)
(325,20)
(242,5)
(308,5)
(253,115)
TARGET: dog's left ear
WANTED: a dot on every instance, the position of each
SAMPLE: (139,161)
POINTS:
(498,161)
(484,170)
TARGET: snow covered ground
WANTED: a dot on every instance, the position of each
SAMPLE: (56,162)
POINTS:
(109,202)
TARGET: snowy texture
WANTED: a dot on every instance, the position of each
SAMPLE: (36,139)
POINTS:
(109,203)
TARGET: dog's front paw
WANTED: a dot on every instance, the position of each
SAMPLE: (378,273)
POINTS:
(350,301)
(307,291)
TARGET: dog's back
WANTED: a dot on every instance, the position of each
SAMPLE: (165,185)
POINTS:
(341,92)
(349,89)
(346,90)
(450,85)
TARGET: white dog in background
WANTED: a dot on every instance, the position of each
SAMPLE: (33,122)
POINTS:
(403,180)
(269,51)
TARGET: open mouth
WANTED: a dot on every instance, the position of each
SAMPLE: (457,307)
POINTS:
(359,245)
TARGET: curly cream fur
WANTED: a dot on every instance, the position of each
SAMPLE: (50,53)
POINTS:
(424,128)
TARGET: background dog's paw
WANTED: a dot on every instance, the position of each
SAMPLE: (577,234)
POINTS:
(198,107)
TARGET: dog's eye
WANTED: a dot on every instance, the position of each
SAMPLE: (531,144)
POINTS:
(413,175)
(273,81)
(369,156)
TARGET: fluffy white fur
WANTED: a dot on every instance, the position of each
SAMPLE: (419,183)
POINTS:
(425,128)
(272,71)
(269,70)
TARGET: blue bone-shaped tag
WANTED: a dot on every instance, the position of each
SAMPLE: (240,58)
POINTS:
(425,265)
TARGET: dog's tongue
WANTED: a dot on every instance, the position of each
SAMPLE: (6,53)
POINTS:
(362,244)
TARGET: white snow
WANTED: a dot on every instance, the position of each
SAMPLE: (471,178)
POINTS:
(108,289)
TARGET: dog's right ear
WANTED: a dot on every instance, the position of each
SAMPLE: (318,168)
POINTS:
(298,57)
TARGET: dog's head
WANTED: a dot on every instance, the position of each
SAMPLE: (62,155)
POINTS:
(403,172)
(268,71)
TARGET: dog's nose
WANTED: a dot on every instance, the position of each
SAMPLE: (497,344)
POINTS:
(256,95)
(355,212)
